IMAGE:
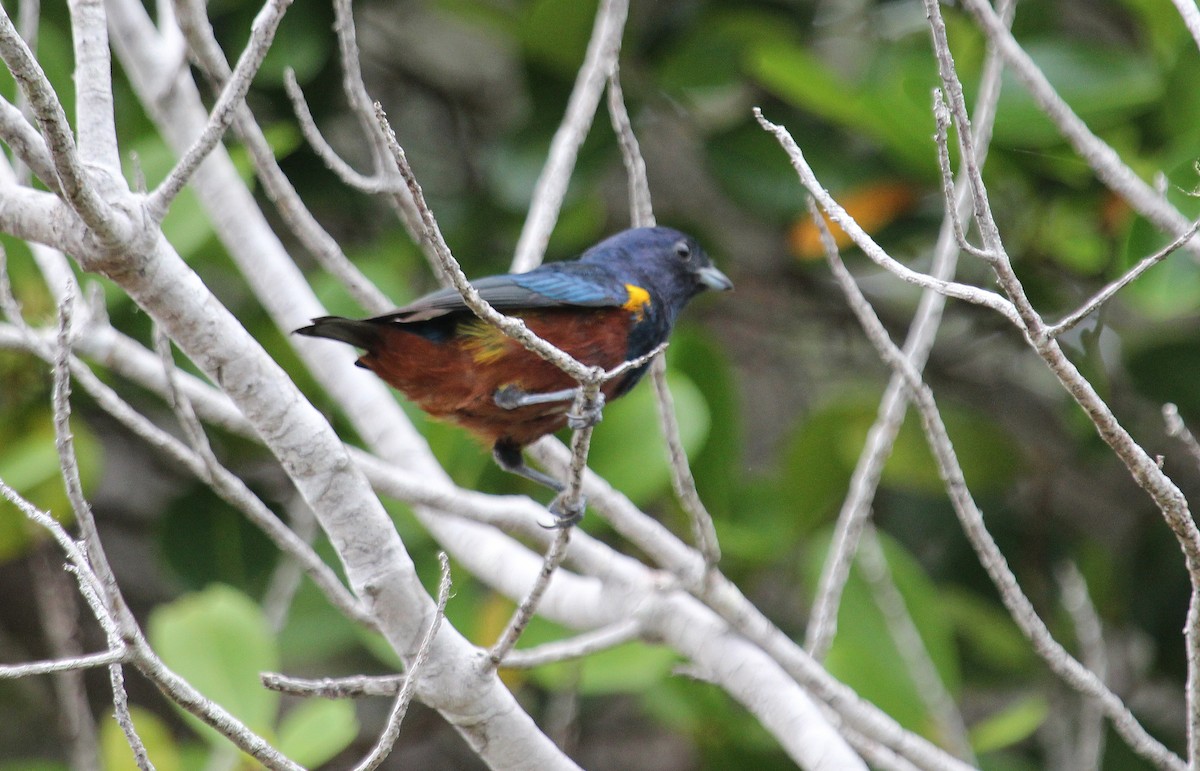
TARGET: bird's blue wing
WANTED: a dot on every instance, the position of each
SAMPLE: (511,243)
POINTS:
(555,285)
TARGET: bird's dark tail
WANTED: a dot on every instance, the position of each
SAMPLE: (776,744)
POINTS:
(362,334)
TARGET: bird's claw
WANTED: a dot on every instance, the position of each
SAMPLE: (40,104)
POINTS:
(588,414)
(566,513)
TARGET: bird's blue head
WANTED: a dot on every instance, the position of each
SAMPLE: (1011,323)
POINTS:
(667,263)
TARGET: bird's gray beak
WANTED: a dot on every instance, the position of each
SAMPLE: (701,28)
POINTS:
(714,279)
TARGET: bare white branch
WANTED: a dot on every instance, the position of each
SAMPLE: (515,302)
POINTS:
(1088,747)
(528,606)
(90,661)
(94,114)
(856,508)
(990,557)
(863,241)
(262,33)
(1104,160)
(548,194)
(73,180)
(1072,319)
(391,729)
(573,647)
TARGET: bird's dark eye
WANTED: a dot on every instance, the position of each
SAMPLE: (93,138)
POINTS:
(682,250)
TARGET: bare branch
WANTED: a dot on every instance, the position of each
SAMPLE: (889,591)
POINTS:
(262,33)
(1072,319)
(94,114)
(27,144)
(73,180)
(334,688)
(90,661)
(602,53)
(1088,747)
(528,606)
(391,730)
(990,557)
(641,211)
(856,508)
(334,162)
(572,648)
(843,220)
(59,614)
(704,533)
(903,630)
(641,214)
(1144,470)
(1106,162)
(1177,429)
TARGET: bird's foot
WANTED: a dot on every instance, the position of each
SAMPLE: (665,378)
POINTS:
(587,414)
(566,514)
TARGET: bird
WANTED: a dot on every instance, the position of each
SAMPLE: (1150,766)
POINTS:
(615,303)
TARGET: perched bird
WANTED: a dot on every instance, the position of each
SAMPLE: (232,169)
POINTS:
(617,302)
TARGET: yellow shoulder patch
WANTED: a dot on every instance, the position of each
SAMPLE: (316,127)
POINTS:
(638,300)
(482,341)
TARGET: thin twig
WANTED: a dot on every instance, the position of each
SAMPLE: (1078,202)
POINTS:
(641,210)
(903,630)
(1072,319)
(354,687)
(524,612)
(59,614)
(349,176)
(207,53)
(941,115)
(74,183)
(572,648)
(990,557)
(863,241)
(602,53)
(641,215)
(391,729)
(1145,471)
(124,626)
(262,33)
(1088,747)
(1177,429)
(704,532)
(89,661)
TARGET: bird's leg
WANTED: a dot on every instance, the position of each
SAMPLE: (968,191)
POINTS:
(507,455)
(511,397)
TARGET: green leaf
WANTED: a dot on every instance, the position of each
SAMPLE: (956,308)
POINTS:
(864,655)
(987,632)
(155,734)
(556,33)
(891,105)
(29,464)
(628,448)
(219,641)
(1010,725)
(1104,84)
(1171,289)
(316,730)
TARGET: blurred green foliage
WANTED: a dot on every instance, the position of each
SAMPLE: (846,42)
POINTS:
(773,389)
